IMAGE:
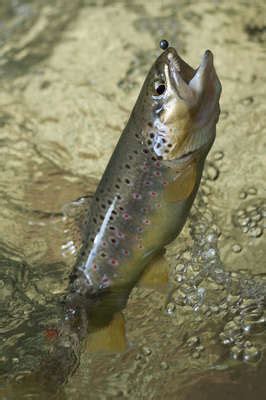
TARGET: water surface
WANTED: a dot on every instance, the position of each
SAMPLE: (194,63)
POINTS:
(70,73)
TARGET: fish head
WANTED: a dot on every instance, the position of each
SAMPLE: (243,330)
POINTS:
(181,106)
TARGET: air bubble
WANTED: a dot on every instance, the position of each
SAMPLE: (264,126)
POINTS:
(212,172)
(255,232)
(236,248)
(218,155)
(251,354)
(252,191)
(170,308)
(242,194)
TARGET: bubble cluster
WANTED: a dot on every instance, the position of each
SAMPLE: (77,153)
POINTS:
(250,218)
(235,301)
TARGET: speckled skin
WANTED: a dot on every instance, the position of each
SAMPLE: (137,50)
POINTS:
(143,199)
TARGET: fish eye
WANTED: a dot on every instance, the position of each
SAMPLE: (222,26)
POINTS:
(160,87)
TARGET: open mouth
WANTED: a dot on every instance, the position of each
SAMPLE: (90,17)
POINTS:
(188,83)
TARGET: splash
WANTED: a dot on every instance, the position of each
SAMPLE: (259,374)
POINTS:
(232,304)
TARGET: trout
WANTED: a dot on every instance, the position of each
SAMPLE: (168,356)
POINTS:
(149,184)
(142,201)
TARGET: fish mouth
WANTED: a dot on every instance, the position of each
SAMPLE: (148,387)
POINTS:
(187,82)
(189,107)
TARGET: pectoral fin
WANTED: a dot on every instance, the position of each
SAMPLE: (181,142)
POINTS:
(111,338)
(183,184)
(75,219)
(155,275)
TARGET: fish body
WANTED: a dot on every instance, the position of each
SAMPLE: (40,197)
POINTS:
(150,182)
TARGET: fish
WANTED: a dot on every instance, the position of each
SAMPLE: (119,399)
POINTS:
(148,187)
(141,203)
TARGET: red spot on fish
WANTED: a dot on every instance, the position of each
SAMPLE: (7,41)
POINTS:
(136,196)
(146,221)
(51,333)
(126,216)
(113,240)
(158,164)
(113,262)
(94,267)
(125,252)
(157,173)
(153,194)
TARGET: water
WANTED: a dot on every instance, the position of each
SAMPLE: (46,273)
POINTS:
(69,76)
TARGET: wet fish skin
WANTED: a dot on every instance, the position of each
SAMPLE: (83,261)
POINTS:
(149,184)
